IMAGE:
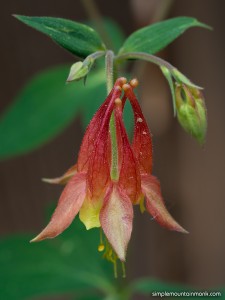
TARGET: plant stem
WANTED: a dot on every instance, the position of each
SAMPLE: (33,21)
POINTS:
(96,54)
(147,57)
(109,62)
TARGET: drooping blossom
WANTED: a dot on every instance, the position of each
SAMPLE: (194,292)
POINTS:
(103,200)
(191,111)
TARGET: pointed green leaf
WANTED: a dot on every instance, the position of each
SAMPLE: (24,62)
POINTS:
(68,264)
(77,38)
(44,108)
(154,38)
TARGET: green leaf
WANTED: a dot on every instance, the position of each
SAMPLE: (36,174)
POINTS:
(69,264)
(44,108)
(77,38)
(154,38)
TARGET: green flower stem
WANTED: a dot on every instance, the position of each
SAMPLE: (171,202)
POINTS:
(109,63)
(169,78)
(145,56)
(109,59)
(89,60)
(95,55)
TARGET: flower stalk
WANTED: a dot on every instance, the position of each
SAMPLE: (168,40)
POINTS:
(109,62)
(144,56)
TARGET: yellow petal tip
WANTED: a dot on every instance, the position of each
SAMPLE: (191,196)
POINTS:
(50,180)
(34,240)
(37,238)
(182,230)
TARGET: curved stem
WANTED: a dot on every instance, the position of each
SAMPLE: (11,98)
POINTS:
(96,54)
(89,60)
(147,57)
(109,62)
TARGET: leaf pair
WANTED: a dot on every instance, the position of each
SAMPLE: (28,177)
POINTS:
(82,40)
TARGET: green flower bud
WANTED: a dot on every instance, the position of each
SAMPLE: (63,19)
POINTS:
(191,111)
(80,69)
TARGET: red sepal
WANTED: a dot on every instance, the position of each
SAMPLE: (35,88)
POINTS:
(155,204)
(99,168)
(68,206)
(129,178)
(116,218)
(142,142)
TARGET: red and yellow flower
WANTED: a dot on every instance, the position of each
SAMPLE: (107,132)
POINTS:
(105,183)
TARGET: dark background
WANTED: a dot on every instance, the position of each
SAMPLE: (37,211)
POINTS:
(192,177)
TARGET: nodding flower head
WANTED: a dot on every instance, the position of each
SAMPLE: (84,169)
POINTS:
(110,176)
(191,111)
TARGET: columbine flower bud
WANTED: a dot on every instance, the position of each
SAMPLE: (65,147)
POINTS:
(191,111)
(80,69)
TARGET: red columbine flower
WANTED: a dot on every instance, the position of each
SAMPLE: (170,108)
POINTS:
(103,191)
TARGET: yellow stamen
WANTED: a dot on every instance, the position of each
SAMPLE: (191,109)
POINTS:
(110,255)
(101,247)
(142,204)
(115,269)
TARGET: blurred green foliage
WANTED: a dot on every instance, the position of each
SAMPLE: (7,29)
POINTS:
(67,265)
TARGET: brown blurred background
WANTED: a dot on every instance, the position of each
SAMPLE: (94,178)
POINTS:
(192,177)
